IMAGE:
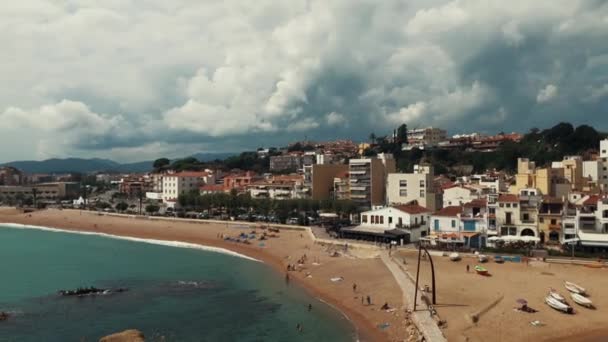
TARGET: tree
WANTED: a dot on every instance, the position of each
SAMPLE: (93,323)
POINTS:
(152,208)
(121,206)
(372,138)
(402,134)
(161,163)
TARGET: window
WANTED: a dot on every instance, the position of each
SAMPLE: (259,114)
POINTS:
(364,218)
(381,219)
(415,220)
(372,219)
(422,183)
(422,193)
(508,205)
(502,205)
(453,223)
(514,205)
(541,220)
(553,221)
(403,183)
(390,219)
(526,217)
(492,210)
(403,193)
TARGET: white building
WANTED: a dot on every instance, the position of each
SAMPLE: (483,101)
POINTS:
(603,167)
(181,183)
(411,218)
(404,188)
(459,195)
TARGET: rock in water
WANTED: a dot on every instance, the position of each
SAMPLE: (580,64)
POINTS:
(131,335)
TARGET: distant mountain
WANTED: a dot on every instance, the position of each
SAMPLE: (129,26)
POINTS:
(82,165)
(57,165)
(205,157)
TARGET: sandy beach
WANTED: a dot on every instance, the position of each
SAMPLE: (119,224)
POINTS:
(356,267)
(461,294)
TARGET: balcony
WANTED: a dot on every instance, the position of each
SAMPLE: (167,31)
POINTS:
(527,221)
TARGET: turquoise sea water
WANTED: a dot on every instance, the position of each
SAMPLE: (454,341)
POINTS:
(175,294)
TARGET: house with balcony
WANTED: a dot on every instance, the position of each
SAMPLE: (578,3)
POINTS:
(459,225)
(550,215)
(517,215)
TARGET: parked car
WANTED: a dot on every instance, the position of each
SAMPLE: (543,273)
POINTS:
(293,220)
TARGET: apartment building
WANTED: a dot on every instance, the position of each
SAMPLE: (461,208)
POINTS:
(367,179)
(322,179)
(418,186)
(286,162)
(550,220)
(429,136)
(603,167)
(180,183)
(10,176)
(46,191)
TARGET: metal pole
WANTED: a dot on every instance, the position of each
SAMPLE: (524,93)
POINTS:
(417,276)
(432,275)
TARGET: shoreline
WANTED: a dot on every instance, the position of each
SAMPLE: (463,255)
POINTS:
(364,329)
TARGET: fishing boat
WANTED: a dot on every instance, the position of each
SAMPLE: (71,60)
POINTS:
(454,256)
(556,295)
(481,270)
(582,301)
(557,305)
(572,287)
(482,258)
(499,260)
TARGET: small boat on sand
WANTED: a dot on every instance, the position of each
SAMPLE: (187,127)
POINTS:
(499,260)
(572,287)
(557,296)
(454,256)
(482,258)
(582,301)
(557,305)
(481,270)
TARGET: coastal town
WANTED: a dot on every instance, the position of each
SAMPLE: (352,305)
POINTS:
(560,205)
(339,214)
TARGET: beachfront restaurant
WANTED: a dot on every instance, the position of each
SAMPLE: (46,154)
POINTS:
(394,236)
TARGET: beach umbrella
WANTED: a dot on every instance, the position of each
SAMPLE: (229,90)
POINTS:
(493,238)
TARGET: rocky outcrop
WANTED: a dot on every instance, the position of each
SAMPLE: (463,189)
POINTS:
(131,335)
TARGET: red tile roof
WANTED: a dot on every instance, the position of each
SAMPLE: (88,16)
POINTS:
(212,187)
(479,202)
(449,211)
(508,198)
(412,208)
(189,174)
(592,200)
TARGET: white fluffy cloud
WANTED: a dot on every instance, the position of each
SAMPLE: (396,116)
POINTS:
(173,75)
(546,94)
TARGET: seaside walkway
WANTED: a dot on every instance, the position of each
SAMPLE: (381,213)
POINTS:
(423,320)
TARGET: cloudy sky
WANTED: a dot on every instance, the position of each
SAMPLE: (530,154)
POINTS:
(132,80)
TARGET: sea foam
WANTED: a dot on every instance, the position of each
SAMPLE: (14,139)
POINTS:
(178,244)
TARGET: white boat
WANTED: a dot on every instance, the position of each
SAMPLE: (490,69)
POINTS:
(572,287)
(482,258)
(454,256)
(557,305)
(557,296)
(580,300)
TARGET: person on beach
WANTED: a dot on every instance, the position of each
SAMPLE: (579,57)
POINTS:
(467,268)
(286,278)
(354,287)
(309,307)
(369,300)
(299,327)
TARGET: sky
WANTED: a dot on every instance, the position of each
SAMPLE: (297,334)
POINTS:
(135,80)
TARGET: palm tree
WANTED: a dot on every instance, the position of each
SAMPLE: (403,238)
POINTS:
(372,138)
(34,194)
(140,196)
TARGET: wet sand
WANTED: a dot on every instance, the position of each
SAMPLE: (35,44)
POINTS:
(461,294)
(356,267)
